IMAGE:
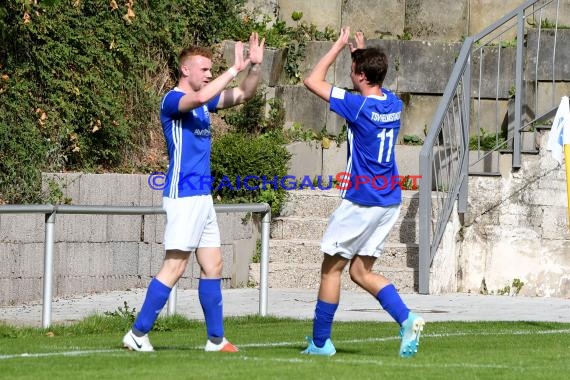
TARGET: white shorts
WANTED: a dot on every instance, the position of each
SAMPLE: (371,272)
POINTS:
(358,230)
(190,223)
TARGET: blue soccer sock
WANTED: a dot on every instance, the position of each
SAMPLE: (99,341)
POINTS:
(322,322)
(156,297)
(391,301)
(210,295)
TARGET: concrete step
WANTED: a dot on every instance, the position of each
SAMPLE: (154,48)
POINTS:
(308,275)
(406,230)
(308,251)
(321,203)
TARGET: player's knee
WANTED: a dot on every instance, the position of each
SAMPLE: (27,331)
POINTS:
(356,274)
(212,269)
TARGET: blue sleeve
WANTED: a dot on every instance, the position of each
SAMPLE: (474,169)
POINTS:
(170,104)
(213,104)
(172,99)
(345,104)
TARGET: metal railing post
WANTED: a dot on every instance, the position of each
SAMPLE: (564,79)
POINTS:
(50,212)
(425,215)
(48,269)
(264,267)
(462,204)
(518,92)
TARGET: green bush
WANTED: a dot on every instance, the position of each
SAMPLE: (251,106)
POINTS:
(487,141)
(236,156)
(80,81)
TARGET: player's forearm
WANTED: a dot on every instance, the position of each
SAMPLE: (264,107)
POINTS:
(250,82)
(208,92)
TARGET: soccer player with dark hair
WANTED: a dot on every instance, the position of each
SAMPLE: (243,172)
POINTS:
(191,223)
(359,227)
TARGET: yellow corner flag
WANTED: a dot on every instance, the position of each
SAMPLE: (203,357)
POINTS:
(559,142)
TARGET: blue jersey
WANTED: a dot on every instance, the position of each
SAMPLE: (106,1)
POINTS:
(371,177)
(188,139)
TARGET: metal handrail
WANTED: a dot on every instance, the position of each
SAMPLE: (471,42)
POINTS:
(427,250)
(50,212)
(454,112)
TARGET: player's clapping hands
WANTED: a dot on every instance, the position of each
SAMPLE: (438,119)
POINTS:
(359,41)
(343,38)
(239,62)
(256,48)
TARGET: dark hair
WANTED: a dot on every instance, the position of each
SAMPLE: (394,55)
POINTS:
(372,62)
(193,50)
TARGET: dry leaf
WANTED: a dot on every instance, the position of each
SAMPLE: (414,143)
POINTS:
(5,77)
(97,126)
(130,13)
(43,117)
(50,334)
(26,18)
(114,5)
(326,143)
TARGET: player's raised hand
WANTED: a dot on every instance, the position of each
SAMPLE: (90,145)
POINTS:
(256,48)
(343,38)
(239,62)
(359,41)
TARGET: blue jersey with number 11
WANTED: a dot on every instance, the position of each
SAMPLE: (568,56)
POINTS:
(373,126)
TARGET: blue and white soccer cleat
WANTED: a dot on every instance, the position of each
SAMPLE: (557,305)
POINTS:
(410,333)
(326,350)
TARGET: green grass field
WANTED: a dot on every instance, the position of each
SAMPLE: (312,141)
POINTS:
(270,349)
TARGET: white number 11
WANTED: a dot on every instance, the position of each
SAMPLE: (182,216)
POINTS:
(382,135)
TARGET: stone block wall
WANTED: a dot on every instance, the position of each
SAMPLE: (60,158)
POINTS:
(95,253)
(419,68)
(421,19)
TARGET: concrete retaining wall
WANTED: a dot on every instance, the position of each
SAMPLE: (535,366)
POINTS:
(419,68)
(422,19)
(517,228)
(96,253)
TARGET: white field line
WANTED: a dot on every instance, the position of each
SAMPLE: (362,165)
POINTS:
(402,363)
(385,339)
(296,343)
(49,354)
